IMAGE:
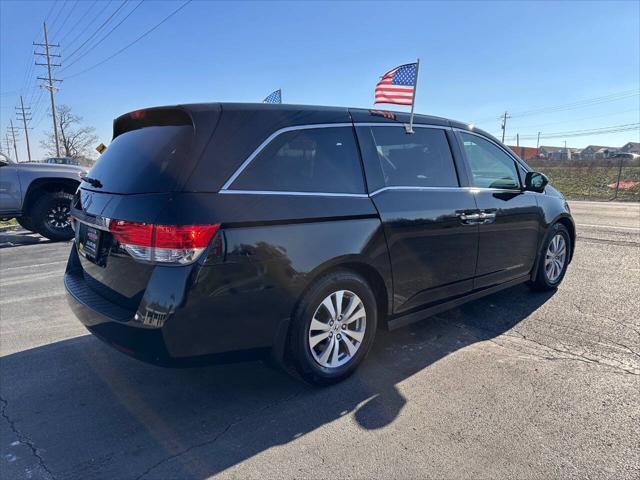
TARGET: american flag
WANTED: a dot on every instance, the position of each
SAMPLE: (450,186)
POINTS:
(398,85)
(274,97)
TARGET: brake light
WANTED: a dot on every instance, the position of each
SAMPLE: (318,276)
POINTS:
(180,244)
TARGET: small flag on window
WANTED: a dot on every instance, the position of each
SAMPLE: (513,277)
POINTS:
(275,97)
(398,86)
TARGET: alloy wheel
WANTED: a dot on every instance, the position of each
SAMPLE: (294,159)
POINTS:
(555,258)
(58,216)
(337,329)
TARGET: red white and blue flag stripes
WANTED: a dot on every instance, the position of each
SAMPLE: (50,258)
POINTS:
(398,85)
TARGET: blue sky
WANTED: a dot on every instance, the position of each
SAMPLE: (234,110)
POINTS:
(478,59)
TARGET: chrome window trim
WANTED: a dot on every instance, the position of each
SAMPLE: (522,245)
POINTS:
(455,189)
(401,125)
(409,188)
(227,185)
(269,139)
(292,193)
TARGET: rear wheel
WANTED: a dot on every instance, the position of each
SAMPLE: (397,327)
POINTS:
(25,222)
(333,328)
(50,216)
(554,260)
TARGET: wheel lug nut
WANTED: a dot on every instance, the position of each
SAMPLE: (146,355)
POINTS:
(331,323)
(331,334)
(338,336)
(344,327)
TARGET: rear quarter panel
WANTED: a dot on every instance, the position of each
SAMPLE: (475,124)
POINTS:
(269,263)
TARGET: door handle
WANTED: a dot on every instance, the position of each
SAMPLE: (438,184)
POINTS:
(487,216)
(469,218)
(477,218)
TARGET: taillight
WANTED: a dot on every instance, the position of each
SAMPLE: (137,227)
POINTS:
(180,244)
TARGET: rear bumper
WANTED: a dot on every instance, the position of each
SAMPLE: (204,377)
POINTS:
(178,342)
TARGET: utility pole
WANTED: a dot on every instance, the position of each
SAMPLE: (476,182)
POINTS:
(7,144)
(12,130)
(49,85)
(517,139)
(24,115)
(538,142)
(504,124)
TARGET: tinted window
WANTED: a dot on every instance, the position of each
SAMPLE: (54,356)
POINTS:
(147,160)
(421,159)
(309,160)
(490,166)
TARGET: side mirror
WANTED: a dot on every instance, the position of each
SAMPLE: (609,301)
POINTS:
(535,182)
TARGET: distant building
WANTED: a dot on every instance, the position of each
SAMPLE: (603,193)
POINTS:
(525,153)
(557,153)
(597,152)
(630,147)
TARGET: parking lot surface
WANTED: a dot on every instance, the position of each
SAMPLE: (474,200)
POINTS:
(516,385)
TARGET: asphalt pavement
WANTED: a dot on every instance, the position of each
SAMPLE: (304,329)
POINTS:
(517,385)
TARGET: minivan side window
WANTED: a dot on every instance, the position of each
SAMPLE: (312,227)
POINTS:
(306,160)
(421,159)
(490,166)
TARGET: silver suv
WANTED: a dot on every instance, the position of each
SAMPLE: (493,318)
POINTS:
(38,196)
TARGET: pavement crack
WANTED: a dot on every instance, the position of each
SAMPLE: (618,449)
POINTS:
(23,439)
(213,440)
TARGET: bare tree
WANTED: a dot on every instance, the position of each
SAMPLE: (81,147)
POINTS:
(76,141)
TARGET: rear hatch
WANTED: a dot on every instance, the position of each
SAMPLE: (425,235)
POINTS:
(146,165)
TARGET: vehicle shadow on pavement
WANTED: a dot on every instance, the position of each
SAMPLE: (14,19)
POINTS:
(15,238)
(92,412)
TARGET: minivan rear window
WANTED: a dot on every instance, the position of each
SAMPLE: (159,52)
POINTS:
(147,160)
(306,160)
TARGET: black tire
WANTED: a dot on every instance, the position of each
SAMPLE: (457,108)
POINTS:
(25,222)
(542,281)
(299,350)
(60,204)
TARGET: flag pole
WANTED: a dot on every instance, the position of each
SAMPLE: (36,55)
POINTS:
(413,101)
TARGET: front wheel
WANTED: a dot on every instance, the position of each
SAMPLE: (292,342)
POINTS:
(554,260)
(333,328)
(50,216)
(25,222)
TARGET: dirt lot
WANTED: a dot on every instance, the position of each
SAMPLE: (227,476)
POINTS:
(517,385)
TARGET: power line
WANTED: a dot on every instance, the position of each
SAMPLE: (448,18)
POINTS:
(569,106)
(77,24)
(66,19)
(89,24)
(579,104)
(95,32)
(582,133)
(573,120)
(133,42)
(63,4)
(86,52)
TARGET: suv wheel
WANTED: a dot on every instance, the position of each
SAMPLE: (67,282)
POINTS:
(50,216)
(333,328)
(554,260)
(25,222)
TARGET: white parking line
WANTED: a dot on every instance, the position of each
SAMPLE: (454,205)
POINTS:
(607,226)
(36,266)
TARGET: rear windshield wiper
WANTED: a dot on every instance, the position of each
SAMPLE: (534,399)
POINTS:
(94,182)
